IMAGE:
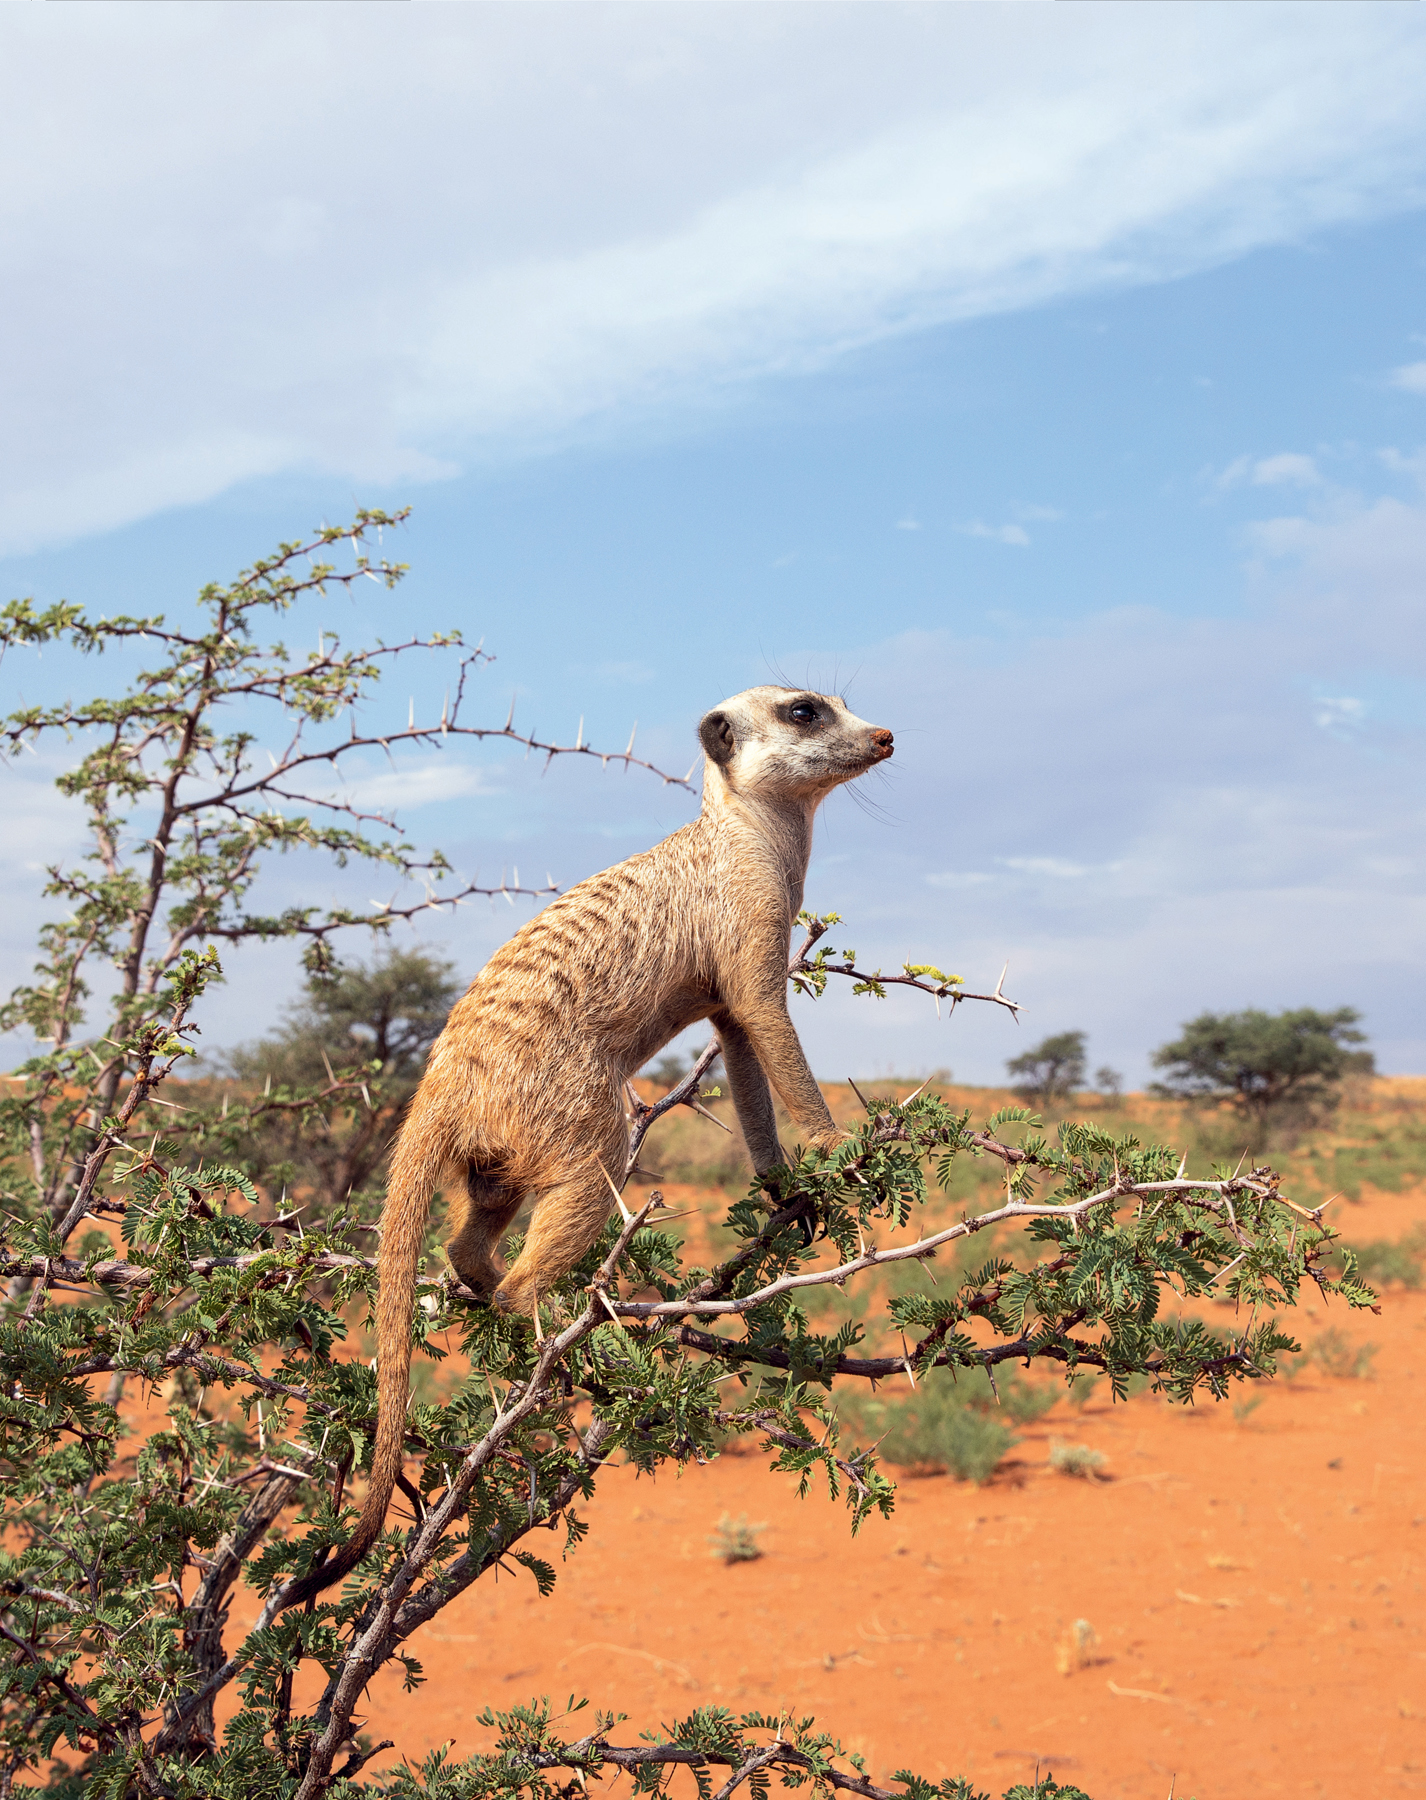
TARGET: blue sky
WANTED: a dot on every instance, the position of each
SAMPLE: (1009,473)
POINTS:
(1053,379)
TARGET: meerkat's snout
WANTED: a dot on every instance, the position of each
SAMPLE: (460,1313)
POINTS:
(884,743)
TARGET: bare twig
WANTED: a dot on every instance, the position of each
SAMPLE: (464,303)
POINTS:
(686,1093)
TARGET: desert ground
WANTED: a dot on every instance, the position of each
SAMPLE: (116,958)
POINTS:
(1231,1605)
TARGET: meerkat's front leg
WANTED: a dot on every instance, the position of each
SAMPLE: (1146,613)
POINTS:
(752,1097)
(774,1040)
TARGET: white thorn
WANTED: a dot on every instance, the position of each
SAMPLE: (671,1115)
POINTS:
(618,1197)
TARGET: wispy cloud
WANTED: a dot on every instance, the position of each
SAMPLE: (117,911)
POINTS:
(1289,468)
(1341,714)
(1058,868)
(999,534)
(1411,377)
(414,785)
(951,878)
(216,270)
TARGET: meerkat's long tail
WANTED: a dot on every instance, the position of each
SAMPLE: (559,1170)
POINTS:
(417,1168)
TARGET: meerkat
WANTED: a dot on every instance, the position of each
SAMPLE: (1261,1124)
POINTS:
(522,1093)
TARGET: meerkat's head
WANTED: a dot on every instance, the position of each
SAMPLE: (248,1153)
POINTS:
(788,743)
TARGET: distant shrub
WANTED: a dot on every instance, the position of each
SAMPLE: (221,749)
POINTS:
(735,1540)
(1389,1159)
(1335,1354)
(1384,1263)
(1021,1401)
(1075,1459)
(1052,1070)
(1076,1647)
(937,1428)
(963,1440)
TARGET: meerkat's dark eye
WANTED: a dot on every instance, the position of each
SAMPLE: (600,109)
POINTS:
(804,712)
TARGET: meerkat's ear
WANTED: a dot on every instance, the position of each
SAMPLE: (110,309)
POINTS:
(715,733)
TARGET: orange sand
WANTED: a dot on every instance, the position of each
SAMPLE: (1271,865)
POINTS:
(1254,1586)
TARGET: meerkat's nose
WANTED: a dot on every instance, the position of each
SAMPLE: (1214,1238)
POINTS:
(883,740)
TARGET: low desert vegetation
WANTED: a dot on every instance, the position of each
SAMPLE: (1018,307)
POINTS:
(1392,1263)
(736,1540)
(1077,1645)
(1334,1353)
(1076,1460)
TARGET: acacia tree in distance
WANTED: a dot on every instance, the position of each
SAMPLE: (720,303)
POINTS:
(366,1025)
(1052,1070)
(1265,1064)
(117,1572)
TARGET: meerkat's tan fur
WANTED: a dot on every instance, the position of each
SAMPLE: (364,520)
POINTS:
(523,1090)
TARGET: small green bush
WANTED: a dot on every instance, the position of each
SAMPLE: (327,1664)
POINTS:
(1336,1354)
(1021,1401)
(1075,1459)
(936,1428)
(735,1540)
(1385,1263)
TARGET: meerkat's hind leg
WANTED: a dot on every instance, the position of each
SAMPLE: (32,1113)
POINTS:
(480,1210)
(569,1215)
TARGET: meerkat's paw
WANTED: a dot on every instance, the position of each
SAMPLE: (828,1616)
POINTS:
(514,1296)
(481,1277)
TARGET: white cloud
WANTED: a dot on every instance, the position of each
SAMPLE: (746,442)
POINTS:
(414,785)
(908,525)
(952,879)
(1412,467)
(1000,534)
(1148,814)
(1289,468)
(1341,714)
(1411,377)
(41,826)
(1056,867)
(1286,470)
(376,240)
